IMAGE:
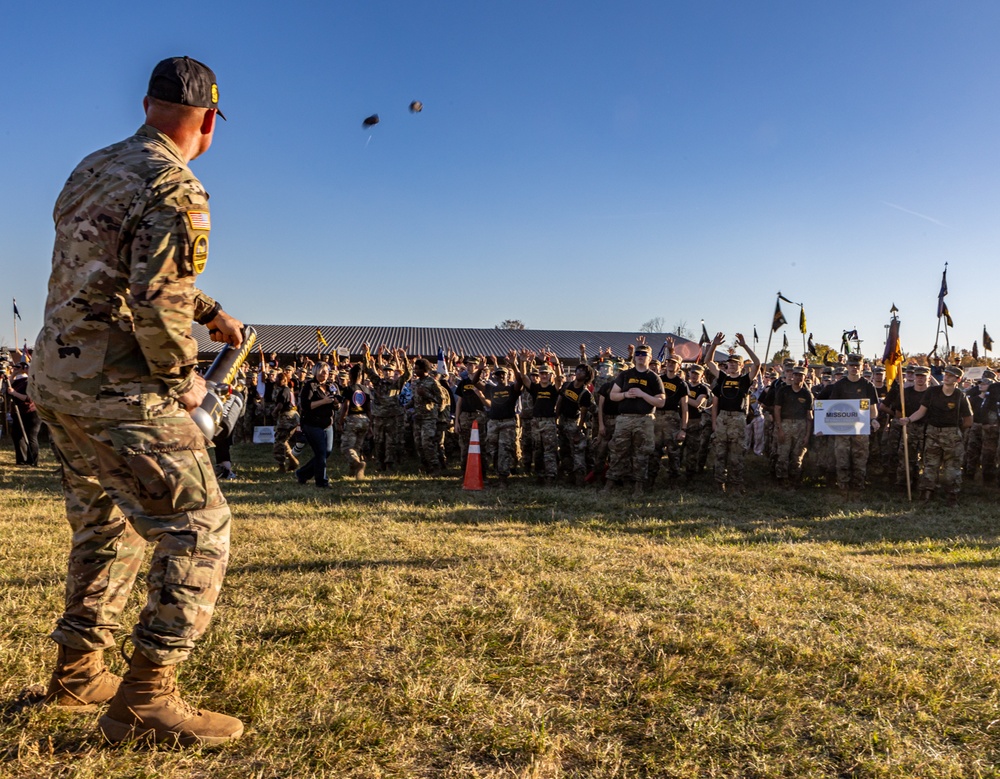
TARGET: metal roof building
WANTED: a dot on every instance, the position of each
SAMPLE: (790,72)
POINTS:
(291,340)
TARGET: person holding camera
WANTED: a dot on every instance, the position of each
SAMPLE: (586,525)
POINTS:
(317,404)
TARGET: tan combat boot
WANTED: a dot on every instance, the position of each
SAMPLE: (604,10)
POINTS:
(80,681)
(148,706)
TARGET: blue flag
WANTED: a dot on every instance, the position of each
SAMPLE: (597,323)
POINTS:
(662,353)
(441,369)
(16,312)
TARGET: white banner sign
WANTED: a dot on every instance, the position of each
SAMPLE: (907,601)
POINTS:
(263,435)
(842,417)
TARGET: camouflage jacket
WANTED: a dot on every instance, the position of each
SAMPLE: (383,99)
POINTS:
(132,226)
(429,397)
(386,393)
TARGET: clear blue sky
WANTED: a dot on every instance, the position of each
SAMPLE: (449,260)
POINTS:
(577,165)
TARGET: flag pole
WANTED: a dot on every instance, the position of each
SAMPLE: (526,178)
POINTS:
(906,440)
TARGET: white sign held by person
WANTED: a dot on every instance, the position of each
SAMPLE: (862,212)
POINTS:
(263,434)
(842,417)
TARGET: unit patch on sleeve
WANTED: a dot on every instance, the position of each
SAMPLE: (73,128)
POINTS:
(199,254)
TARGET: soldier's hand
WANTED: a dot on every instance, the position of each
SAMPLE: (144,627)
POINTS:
(195,395)
(226,329)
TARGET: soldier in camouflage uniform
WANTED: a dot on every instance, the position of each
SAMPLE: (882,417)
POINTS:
(981,441)
(947,413)
(387,411)
(286,422)
(429,400)
(793,414)
(114,377)
(697,442)
(354,423)
(729,408)
(501,437)
(638,391)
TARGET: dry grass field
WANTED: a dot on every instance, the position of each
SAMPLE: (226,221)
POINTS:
(401,627)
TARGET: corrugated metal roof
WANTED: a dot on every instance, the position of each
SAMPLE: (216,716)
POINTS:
(288,340)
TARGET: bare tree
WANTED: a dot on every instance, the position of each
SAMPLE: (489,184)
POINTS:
(510,324)
(654,325)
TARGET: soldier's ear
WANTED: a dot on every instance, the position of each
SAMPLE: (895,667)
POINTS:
(208,122)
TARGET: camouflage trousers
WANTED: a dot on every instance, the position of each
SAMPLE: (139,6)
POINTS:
(388,444)
(981,451)
(631,448)
(754,435)
(891,449)
(466,418)
(352,439)
(572,447)
(851,454)
(915,434)
(792,448)
(525,448)
(991,453)
(501,445)
(943,454)
(601,443)
(127,483)
(428,439)
(283,428)
(666,426)
(730,435)
(697,444)
(545,444)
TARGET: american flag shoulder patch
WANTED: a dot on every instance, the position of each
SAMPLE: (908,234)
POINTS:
(200,220)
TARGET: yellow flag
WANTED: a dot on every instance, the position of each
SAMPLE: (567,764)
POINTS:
(320,339)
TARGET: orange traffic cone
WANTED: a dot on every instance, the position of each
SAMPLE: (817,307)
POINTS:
(474,463)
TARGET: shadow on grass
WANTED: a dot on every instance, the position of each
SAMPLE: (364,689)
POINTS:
(321,566)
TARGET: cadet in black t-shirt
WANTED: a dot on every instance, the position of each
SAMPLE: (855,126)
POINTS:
(731,390)
(637,391)
(851,451)
(545,434)
(572,411)
(947,412)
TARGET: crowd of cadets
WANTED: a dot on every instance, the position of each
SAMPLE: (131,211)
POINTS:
(628,422)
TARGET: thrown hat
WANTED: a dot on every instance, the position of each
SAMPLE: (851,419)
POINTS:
(185,81)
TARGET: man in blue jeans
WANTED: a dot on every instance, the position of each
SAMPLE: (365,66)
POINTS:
(317,404)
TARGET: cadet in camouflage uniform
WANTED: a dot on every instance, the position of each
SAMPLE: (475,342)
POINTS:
(729,408)
(286,421)
(429,400)
(981,442)
(670,423)
(851,451)
(354,423)
(387,412)
(638,391)
(572,412)
(114,377)
(793,404)
(699,431)
(947,413)
(501,437)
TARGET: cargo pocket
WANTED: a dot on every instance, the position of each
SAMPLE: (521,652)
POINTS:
(187,596)
(168,465)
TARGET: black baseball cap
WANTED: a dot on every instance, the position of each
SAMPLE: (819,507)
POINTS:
(185,81)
